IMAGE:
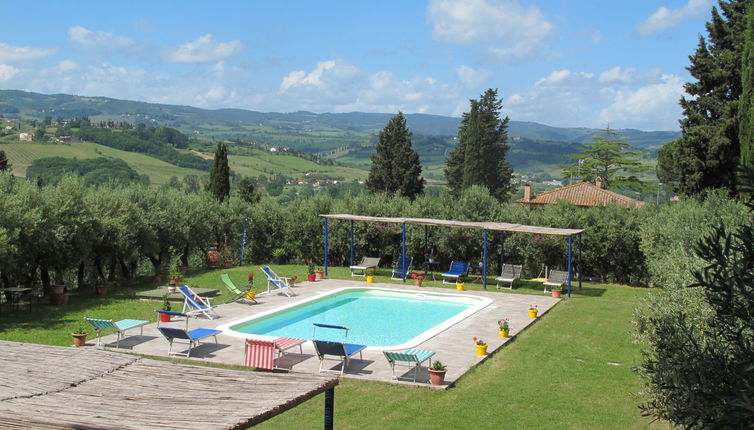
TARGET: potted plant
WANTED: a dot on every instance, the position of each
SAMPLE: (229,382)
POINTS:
(251,290)
(533,309)
(310,273)
(165,307)
(279,255)
(481,346)
(371,275)
(418,278)
(437,373)
(79,336)
(101,289)
(292,281)
(460,286)
(504,327)
(556,291)
(319,274)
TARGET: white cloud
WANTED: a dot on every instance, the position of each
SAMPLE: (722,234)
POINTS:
(86,38)
(13,54)
(7,72)
(472,78)
(509,31)
(66,65)
(650,107)
(203,50)
(618,74)
(663,17)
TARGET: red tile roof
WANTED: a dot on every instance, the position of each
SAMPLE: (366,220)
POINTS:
(583,194)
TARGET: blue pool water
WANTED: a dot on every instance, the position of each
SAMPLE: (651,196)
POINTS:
(376,318)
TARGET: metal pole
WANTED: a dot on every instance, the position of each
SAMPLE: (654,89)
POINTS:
(484,260)
(578,245)
(351,243)
(326,246)
(426,250)
(243,241)
(570,251)
(502,250)
(329,408)
(403,250)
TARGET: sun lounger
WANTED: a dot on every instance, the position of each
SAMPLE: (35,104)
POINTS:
(414,357)
(120,327)
(342,350)
(510,274)
(401,268)
(192,338)
(238,294)
(457,270)
(365,264)
(260,353)
(271,275)
(195,305)
(556,278)
(277,282)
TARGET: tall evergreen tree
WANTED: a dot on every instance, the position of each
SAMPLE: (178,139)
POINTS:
(610,158)
(746,107)
(479,158)
(396,166)
(708,151)
(219,176)
(4,164)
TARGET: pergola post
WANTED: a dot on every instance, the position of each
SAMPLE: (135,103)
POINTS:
(578,245)
(426,250)
(329,408)
(403,250)
(351,244)
(326,247)
(570,251)
(502,250)
(484,260)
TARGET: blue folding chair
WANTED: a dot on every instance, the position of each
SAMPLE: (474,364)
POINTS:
(401,268)
(457,270)
(342,350)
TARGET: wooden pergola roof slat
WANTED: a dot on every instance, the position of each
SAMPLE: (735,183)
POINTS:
(492,226)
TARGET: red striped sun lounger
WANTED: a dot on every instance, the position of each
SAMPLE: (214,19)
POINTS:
(260,353)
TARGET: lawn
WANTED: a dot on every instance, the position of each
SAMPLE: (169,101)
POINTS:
(570,370)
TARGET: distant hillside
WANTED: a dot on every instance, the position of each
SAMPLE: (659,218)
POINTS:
(306,131)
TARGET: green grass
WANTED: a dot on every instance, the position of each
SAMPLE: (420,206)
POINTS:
(570,370)
(21,155)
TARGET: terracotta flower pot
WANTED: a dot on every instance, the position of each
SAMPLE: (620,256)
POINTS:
(319,274)
(101,290)
(437,377)
(556,294)
(418,282)
(79,339)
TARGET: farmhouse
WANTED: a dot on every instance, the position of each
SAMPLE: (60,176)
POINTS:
(583,194)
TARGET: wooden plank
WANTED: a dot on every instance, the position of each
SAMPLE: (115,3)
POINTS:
(141,393)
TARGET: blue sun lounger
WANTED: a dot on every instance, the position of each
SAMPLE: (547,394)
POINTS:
(342,350)
(192,338)
(457,270)
(401,268)
(193,304)
(277,281)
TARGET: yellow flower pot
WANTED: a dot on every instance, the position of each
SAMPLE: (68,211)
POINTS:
(481,349)
(533,313)
(370,279)
(503,333)
(459,286)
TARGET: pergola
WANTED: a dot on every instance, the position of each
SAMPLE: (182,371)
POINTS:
(484,226)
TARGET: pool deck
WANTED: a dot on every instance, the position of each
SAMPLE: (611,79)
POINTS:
(454,346)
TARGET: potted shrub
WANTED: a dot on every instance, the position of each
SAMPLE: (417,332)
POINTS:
(460,286)
(437,373)
(371,275)
(504,327)
(278,254)
(292,281)
(165,307)
(101,289)
(481,346)
(79,336)
(310,273)
(556,291)
(319,274)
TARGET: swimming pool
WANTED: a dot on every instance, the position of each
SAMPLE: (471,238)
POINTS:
(379,318)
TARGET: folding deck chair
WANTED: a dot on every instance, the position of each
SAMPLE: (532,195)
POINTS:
(239,295)
(342,350)
(556,278)
(457,270)
(260,353)
(413,357)
(277,282)
(510,274)
(195,305)
(401,268)
(193,338)
(120,327)
(365,264)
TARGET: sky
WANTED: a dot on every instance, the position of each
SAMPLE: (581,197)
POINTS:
(576,63)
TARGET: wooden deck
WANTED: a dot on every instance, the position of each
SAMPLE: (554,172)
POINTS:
(60,387)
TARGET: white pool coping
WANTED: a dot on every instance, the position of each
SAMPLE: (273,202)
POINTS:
(481,303)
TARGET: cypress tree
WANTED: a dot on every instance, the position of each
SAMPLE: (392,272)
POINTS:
(395,165)
(4,164)
(746,110)
(708,151)
(479,158)
(219,176)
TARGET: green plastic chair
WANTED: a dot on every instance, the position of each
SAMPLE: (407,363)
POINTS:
(244,296)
